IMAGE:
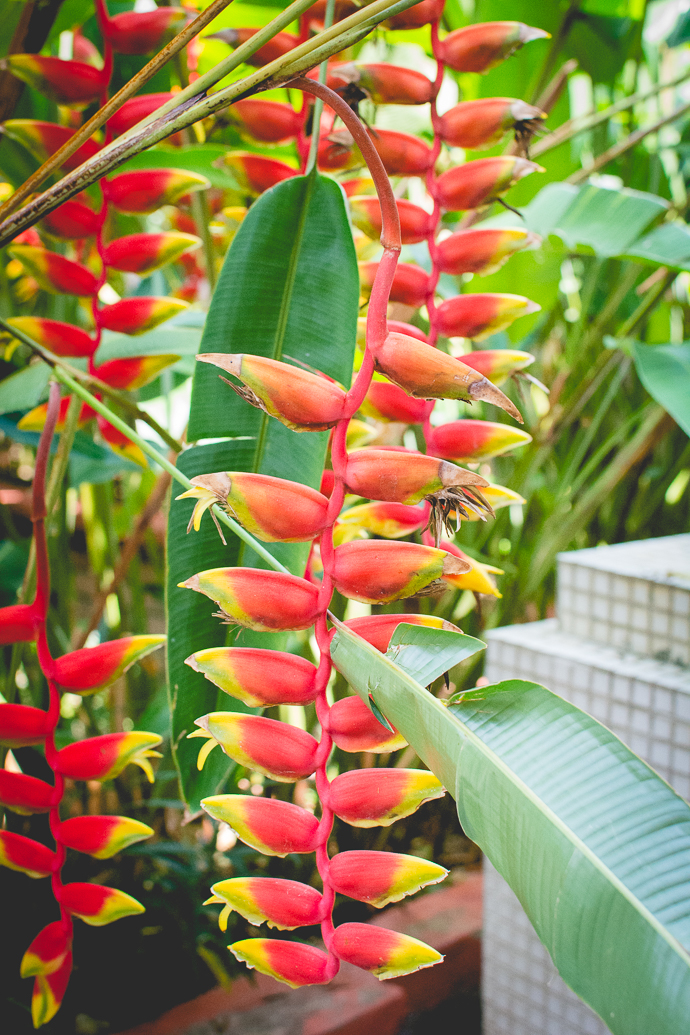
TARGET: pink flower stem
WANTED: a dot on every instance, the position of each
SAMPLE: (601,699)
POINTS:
(375,335)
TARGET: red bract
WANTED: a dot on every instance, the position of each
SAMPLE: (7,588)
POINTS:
(45,138)
(483,123)
(378,572)
(21,725)
(283,752)
(410,283)
(480,315)
(354,727)
(67,82)
(481,251)
(92,669)
(255,173)
(55,273)
(72,221)
(271,827)
(383,84)
(386,954)
(270,121)
(477,48)
(18,624)
(256,676)
(378,629)
(385,401)
(104,758)
(97,905)
(25,794)
(415,223)
(285,904)
(267,601)
(420,14)
(25,855)
(291,962)
(401,154)
(102,836)
(481,182)
(377,797)
(140,314)
(144,253)
(146,190)
(139,32)
(136,109)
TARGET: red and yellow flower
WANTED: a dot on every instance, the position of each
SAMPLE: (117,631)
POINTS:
(26,795)
(478,48)
(478,183)
(140,314)
(354,728)
(91,669)
(256,676)
(25,855)
(102,836)
(387,954)
(283,752)
(43,139)
(378,629)
(379,878)
(481,251)
(470,441)
(270,826)
(266,601)
(285,904)
(475,125)
(398,476)
(256,173)
(144,253)
(379,572)
(378,797)
(145,190)
(104,758)
(98,905)
(293,963)
(55,273)
(480,315)
(416,224)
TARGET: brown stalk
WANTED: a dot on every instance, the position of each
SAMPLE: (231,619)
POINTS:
(108,109)
(129,550)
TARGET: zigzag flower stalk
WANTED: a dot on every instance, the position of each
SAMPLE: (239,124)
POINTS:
(49,957)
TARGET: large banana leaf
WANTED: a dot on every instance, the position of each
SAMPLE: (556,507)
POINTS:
(664,370)
(594,844)
(289,287)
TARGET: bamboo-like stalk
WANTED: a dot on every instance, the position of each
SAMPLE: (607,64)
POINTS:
(186,110)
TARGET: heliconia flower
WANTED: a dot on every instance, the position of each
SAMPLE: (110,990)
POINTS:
(72,221)
(427,373)
(482,123)
(421,14)
(102,836)
(281,751)
(381,877)
(139,32)
(401,153)
(144,253)
(382,83)
(67,82)
(47,951)
(91,669)
(280,44)
(388,520)
(256,676)
(136,109)
(36,418)
(285,904)
(18,624)
(120,443)
(384,953)
(338,151)
(49,991)
(327,482)
(25,794)
(378,629)
(272,122)
(378,572)
(377,797)
(397,476)
(273,509)
(354,727)
(478,316)
(498,496)
(256,173)
(140,314)
(43,139)
(104,758)
(299,399)
(266,601)
(25,855)
(416,224)
(270,826)
(134,371)
(293,963)
(145,190)
(469,441)
(98,905)
(479,47)
(21,725)
(55,273)
(410,283)
(480,182)
(481,251)
(498,364)
(359,185)
(64,339)
(385,401)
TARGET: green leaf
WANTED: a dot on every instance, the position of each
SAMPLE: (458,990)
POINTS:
(425,654)
(664,370)
(179,341)
(191,625)
(667,245)
(593,843)
(25,389)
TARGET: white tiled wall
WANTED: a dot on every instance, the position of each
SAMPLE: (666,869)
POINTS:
(618,607)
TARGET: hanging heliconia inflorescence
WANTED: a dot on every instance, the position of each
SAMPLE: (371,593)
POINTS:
(400,376)
(49,957)
(83,227)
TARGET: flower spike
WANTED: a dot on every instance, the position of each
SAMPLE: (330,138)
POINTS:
(379,878)
(293,963)
(283,752)
(377,797)
(384,953)
(285,904)
(256,676)
(299,399)
(271,827)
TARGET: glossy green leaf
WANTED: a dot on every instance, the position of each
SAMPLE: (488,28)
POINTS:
(664,370)
(25,389)
(593,843)
(425,654)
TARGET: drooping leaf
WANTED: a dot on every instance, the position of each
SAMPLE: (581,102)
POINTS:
(593,843)
(664,370)
(425,654)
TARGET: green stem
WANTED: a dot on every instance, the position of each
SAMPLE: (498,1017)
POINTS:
(318,104)
(165,122)
(163,462)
